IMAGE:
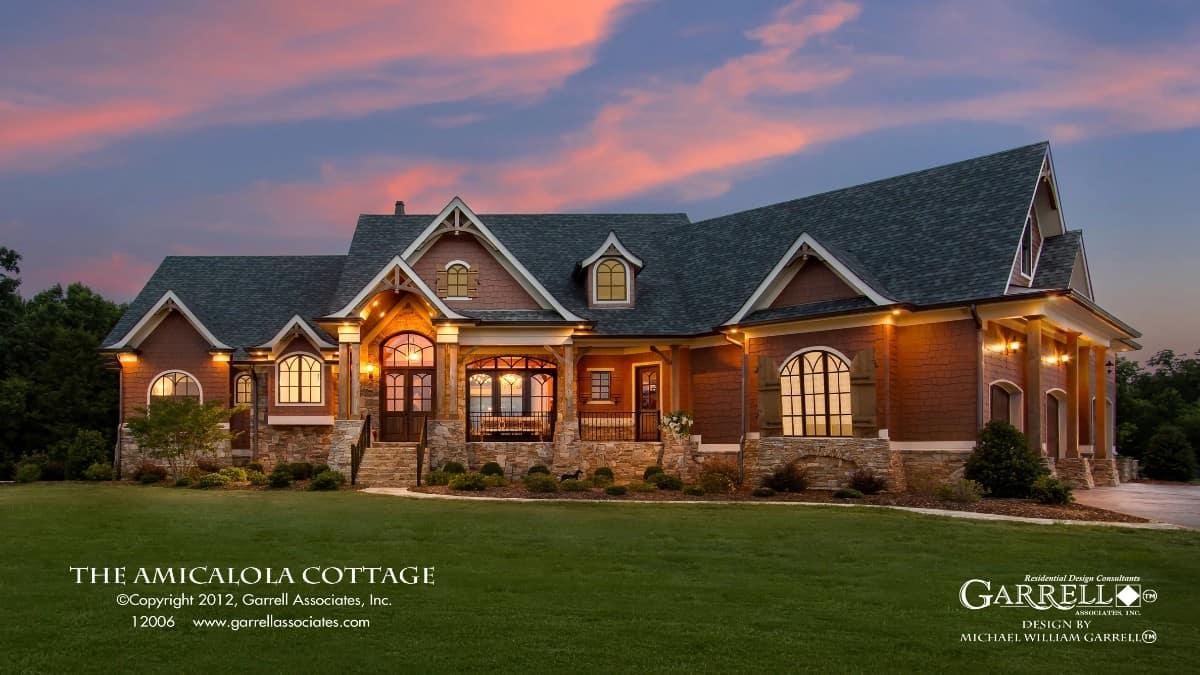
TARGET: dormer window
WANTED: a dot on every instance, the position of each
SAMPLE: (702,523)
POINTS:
(1027,248)
(610,274)
(611,282)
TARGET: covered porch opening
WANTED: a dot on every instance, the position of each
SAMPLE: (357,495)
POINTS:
(511,398)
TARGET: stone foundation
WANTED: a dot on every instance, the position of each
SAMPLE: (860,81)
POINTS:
(345,434)
(280,444)
(132,456)
(1077,471)
(1127,469)
(829,461)
(1104,473)
(925,470)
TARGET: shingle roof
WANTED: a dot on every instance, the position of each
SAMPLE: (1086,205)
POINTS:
(808,310)
(945,234)
(1057,260)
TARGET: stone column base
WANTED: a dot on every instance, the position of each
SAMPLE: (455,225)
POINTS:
(1077,471)
(1104,472)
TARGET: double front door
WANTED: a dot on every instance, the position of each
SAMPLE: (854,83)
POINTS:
(406,387)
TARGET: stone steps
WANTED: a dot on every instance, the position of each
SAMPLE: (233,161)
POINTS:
(389,464)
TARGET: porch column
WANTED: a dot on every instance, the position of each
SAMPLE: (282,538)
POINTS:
(1072,403)
(447,373)
(348,359)
(1100,426)
(355,406)
(567,398)
(1033,382)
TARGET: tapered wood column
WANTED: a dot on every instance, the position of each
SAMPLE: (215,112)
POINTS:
(354,377)
(1071,444)
(1033,382)
(348,360)
(1100,427)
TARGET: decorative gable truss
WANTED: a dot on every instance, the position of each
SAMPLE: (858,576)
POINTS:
(1043,221)
(398,276)
(167,304)
(458,218)
(801,251)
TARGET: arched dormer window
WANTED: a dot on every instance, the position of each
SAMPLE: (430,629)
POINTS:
(815,387)
(611,281)
(174,384)
(457,281)
(299,379)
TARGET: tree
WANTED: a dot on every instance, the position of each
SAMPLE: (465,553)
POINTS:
(1170,456)
(179,431)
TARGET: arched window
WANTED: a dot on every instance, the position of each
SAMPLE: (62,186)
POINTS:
(408,350)
(611,281)
(242,391)
(815,386)
(300,381)
(456,281)
(1006,403)
(175,384)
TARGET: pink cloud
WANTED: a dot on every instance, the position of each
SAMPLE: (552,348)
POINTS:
(117,275)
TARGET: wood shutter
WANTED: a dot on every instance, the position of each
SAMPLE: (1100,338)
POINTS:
(472,283)
(862,394)
(442,289)
(770,415)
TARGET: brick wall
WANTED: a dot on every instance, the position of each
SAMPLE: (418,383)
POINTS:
(174,345)
(497,288)
(329,381)
(814,282)
(934,389)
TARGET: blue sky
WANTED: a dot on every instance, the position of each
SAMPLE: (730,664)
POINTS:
(139,130)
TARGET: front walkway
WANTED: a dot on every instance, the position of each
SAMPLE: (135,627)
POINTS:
(1176,503)
(971,515)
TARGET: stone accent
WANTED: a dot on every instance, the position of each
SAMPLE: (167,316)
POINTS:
(829,461)
(627,459)
(345,434)
(447,441)
(1077,471)
(1105,472)
(1127,469)
(285,444)
(515,457)
(132,456)
(392,464)
(925,470)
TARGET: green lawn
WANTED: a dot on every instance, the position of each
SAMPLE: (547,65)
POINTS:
(578,587)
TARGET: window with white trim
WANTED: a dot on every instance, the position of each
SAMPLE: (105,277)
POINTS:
(815,387)
(299,379)
(175,385)
(611,281)
(243,392)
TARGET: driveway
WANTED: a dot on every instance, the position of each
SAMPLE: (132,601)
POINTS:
(1171,503)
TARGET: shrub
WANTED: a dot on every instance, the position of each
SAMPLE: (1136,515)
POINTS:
(719,477)
(471,482)
(763,491)
(790,477)
(604,472)
(538,468)
(540,482)
(962,490)
(211,480)
(495,481)
(183,481)
(321,468)
(255,466)
(99,471)
(207,464)
(615,490)
(1050,490)
(28,472)
(79,452)
(233,473)
(848,493)
(693,490)
(650,471)
(601,480)
(327,480)
(438,478)
(281,477)
(867,482)
(1169,455)
(575,485)
(52,469)
(642,487)
(256,477)
(667,482)
(148,472)
(492,469)
(1003,462)
(301,470)
(454,467)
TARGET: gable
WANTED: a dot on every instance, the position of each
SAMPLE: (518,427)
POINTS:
(496,288)
(813,282)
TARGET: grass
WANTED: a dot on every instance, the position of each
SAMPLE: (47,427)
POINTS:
(580,587)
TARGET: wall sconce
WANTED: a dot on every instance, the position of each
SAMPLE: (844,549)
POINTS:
(1005,347)
(127,357)
(1056,359)
(220,357)
(368,369)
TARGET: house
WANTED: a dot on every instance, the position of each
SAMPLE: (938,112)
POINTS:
(876,326)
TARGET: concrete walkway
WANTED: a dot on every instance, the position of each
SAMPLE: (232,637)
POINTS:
(1171,503)
(969,515)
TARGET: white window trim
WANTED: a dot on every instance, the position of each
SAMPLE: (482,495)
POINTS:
(1016,402)
(300,420)
(321,388)
(628,282)
(446,268)
(296,322)
(239,378)
(174,370)
(817,348)
(612,242)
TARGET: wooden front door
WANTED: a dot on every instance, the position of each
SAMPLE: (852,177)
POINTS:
(406,387)
(647,414)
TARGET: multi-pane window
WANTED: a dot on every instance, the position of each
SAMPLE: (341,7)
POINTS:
(300,380)
(243,393)
(541,393)
(815,387)
(174,385)
(481,393)
(610,281)
(456,281)
(510,398)
(601,385)
(408,350)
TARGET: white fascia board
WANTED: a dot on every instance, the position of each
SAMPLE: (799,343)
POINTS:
(169,299)
(412,276)
(613,241)
(1087,272)
(297,322)
(838,267)
(524,276)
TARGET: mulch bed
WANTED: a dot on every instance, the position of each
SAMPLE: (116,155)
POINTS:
(1006,507)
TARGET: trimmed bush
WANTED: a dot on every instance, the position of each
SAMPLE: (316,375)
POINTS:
(256,477)
(763,491)
(538,468)
(437,478)
(98,471)
(719,477)
(667,481)
(1169,455)
(790,477)
(469,482)
(495,481)
(615,490)
(1050,490)
(601,480)
(963,491)
(693,490)
(642,487)
(183,481)
(255,466)
(207,465)
(867,482)
(234,473)
(148,472)
(541,482)
(281,477)
(321,468)
(327,480)
(301,470)
(575,485)
(848,493)
(492,469)
(211,480)
(650,471)
(454,467)
(1002,461)
(603,471)
(28,472)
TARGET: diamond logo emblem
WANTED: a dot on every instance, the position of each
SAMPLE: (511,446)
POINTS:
(1128,596)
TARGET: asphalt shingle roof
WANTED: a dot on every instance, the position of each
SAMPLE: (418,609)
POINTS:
(1057,260)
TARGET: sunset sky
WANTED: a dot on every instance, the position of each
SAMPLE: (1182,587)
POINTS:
(140,130)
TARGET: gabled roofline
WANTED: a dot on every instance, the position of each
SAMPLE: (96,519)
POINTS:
(294,322)
(613,241)
(839,268)
(525,277)
(396,262)
(171,301)
(1087,271)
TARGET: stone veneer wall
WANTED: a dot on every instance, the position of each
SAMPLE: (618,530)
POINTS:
(132,456)
(829,461)
(925,470)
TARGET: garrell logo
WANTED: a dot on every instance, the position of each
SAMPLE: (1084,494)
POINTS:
(1067,592)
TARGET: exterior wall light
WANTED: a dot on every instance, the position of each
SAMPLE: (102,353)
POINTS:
(127,357)
(1056,359)
(220,357)
(368,369)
